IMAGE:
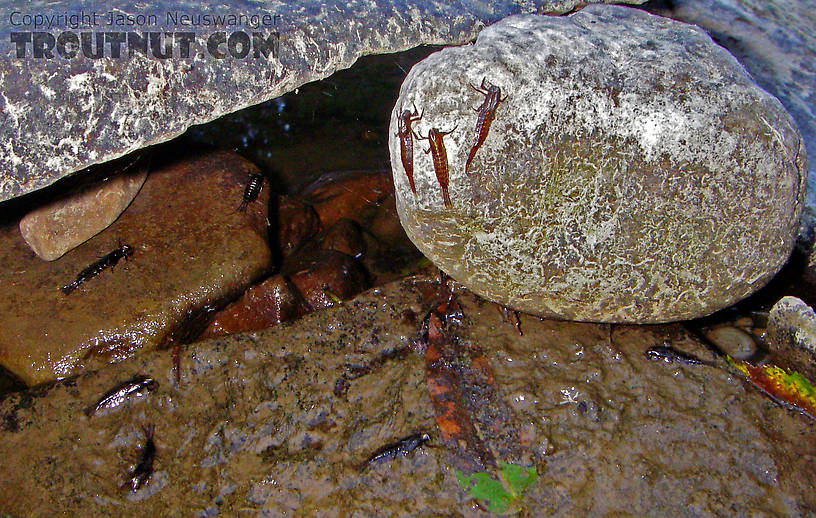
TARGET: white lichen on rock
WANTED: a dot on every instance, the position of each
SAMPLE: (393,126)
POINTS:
(635,172)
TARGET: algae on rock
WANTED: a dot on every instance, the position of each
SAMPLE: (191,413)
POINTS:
(635,173)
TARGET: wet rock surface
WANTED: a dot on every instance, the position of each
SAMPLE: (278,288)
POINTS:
(336,238)
(322,279)
(190,248)
(94,110)
(267,304)
(344,236)
(648,152)
(357,212)
(297,223)
(345,194)
(54,229)
(776,43)
(327,277)
(257,424)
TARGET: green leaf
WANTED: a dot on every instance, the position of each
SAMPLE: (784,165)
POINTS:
(498,496)
(518,478)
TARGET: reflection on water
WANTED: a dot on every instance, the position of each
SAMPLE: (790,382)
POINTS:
(339,123)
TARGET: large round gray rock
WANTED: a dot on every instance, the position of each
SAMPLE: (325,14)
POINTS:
(634,173)
(776,42)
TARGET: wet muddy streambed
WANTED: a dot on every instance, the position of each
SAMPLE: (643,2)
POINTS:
(372,385)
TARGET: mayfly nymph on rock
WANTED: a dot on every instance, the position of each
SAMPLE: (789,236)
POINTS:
(487,112)
(406,134)
(440,160)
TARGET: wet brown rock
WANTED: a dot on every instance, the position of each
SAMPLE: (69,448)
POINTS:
(54,229)
(386,227)
(321,272)
(348,194)
(327,275)
(344,237)
(256,424)
(367,200)
(318,279)
(191,248)
(268,304)
(297,223)
(732,341)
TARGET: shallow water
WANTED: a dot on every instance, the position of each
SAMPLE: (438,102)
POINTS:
(341,124)
(605,424)
(337,124)
(321,130)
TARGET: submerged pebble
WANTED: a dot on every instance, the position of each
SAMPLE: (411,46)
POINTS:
(327,277)
(297,222)
(60,226)
(345,237)
(348,194)
(267,304)
(733,341)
